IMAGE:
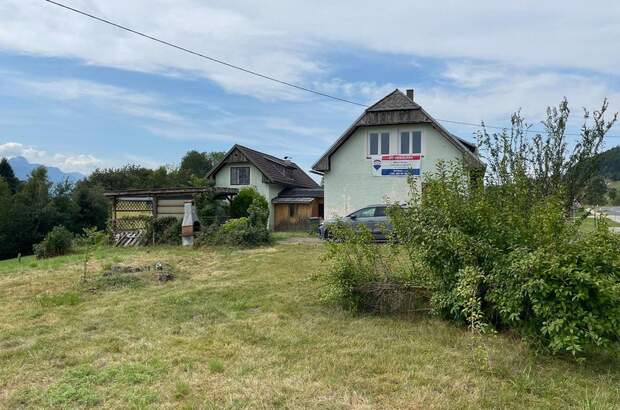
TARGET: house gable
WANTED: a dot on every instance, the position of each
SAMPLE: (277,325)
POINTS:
(394,109)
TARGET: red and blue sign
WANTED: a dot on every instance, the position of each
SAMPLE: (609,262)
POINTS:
(396,165)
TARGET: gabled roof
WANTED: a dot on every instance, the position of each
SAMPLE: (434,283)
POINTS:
(275,170)
(393,109)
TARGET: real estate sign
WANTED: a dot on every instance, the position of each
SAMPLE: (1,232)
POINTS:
(396,165)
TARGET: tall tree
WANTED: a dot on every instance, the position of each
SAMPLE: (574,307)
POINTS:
(31,215)
(198,164)
(6,197)
(543,164)
(6,171)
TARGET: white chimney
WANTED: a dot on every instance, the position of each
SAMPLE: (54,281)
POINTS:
(190,224)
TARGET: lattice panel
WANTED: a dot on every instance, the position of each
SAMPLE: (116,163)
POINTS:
(134,206)
(129,224)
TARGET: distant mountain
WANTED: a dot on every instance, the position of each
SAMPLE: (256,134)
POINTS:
(23,168)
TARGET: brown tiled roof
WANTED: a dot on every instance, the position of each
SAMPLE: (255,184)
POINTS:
(393,109)
(274,169)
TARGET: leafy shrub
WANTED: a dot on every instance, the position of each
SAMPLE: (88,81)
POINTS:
(566,299)
(352,263)
(57,242)
(363,276)
(245,231)
(501,258)
(240,205)
(495,257)
(210,210)
(164,230)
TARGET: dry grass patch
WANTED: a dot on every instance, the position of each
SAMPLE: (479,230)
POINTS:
(247,329)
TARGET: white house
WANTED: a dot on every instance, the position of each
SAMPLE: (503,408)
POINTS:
(292,195)
(370,163)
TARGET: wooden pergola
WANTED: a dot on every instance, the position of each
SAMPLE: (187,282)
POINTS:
(155,203)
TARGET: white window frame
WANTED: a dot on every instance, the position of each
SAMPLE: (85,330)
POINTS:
(410,136)
(380,134)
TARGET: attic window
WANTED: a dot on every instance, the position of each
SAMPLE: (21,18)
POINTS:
(410,142)
(239,175)
(378,142)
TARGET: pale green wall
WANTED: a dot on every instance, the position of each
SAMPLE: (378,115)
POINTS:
(350,183)
(269,191)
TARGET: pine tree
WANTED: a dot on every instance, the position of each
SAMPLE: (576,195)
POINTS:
(6,171)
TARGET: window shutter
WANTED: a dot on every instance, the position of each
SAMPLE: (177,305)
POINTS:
(385,143)
(416,142)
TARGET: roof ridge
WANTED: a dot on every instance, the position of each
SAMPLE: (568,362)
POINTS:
(401,102)
(265,155)
(383,99)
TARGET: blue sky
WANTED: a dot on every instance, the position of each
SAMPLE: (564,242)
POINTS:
(78,94)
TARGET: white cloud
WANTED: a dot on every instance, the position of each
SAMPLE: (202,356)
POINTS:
(477,92)
(13,149)
(33,27)
(499,56)
(287,39)
(502,95)
(114,98)
(84,163)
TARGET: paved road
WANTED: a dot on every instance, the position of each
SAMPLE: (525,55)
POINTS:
(613,212)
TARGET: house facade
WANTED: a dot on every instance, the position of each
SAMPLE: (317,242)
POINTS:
(371,162)
(275,179)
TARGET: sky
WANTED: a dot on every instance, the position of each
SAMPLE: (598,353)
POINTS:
(79,94)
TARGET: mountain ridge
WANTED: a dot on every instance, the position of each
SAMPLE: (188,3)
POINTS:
(22,169)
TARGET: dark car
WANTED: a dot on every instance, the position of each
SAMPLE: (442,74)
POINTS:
(372,217)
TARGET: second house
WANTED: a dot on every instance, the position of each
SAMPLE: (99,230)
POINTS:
(294,198)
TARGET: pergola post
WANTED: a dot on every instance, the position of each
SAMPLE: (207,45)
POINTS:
(154,205)
(114,202)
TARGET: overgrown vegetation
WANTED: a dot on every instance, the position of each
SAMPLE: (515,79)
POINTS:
(240,205)
(245,231)
(164,231)
(504,253)
(58,241)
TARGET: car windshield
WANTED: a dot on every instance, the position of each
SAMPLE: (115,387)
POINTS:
(363,213)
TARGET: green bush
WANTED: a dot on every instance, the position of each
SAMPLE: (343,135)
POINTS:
(240,205)
(494,258)
(501,258)
(245,231)
(164,231)
(57,242)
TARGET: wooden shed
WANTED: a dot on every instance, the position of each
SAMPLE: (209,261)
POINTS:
(296,209)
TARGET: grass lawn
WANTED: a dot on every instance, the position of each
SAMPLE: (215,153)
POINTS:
(589,224)
(247,329)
